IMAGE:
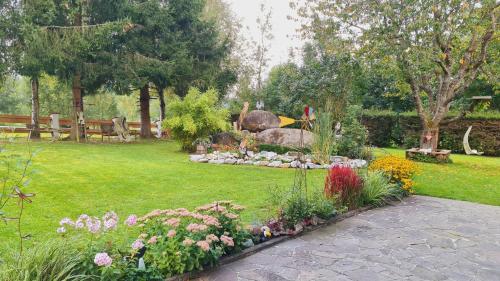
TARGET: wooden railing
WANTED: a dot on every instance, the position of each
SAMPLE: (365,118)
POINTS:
(23,124)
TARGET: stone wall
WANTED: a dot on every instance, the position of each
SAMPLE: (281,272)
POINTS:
(404,131)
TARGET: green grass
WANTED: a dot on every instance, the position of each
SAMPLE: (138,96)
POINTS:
(468,178)
(135,178)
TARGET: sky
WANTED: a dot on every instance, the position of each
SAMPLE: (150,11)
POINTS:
(284,30)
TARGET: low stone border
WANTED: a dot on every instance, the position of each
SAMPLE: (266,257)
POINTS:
(268,244)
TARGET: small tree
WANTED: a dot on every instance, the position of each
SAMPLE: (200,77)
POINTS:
(436,47)
(196,116)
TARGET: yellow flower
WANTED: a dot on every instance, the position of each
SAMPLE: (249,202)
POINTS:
(398,169)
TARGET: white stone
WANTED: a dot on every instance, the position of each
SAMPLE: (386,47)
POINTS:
(230,161)
(196,157)
(275,164)
(218,161)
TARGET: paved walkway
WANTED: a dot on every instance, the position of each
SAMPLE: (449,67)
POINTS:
(422,238)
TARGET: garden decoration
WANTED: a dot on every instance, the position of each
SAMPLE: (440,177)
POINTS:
(159,129)
(467,148)
(243,114)
(259,105)
(121,128)
(54,126)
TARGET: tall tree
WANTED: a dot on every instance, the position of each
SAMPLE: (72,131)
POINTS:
(437,47)
(261,55)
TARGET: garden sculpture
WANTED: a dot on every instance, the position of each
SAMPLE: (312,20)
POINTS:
(243,114)
(467,148)
(54,126)
(121,128)
(159,131)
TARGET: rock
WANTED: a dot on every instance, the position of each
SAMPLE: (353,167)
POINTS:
(295,164)
(218,161)
(263,163)
(196,157)
(284,137)
(240,162)
(249,162)
(250,153)
(338,159)
(259,120)
(230,161)
(275,164)
(203,160)
(269,155)
(285,165)
(248,243)
(225,138)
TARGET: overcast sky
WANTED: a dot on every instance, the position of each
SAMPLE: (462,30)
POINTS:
(284,30)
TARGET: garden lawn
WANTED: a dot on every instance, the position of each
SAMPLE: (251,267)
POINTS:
(71,179)
(468,178)
(136,178)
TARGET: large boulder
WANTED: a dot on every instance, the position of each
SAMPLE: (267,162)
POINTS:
(259,120)
(284,137)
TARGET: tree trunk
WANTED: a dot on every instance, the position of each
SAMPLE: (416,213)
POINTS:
(77,107)
(430,137)
(145,116)
(35,109)
(161,95)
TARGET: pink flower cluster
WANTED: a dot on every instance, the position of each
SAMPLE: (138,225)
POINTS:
(110,220)
(137,245)
(228,241)
(103,259)
(211,238)
(204,245)
(187,242)
(131,220)
(194,227)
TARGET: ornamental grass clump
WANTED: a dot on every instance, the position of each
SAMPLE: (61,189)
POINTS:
(344,184)
(378,190)
(399,170)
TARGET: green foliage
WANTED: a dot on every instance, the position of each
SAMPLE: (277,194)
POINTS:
(378,189)
(324,143)
(354,134)
(419,157)
(196,116)
(51,260)
(295,206)
(280,149)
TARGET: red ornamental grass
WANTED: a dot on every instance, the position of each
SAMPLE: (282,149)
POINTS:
(344,183)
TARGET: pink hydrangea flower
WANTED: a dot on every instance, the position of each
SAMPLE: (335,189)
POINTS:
(103,259)
(173,222)
(61,230)
(131,220)
(153,240)
(65,221)
(187,242)
(228,241)
(171,233)
(93,225)
(138,244)
(79,224)
(204,245)
(110,224)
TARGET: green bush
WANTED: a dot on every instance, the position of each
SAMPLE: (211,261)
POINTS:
(354,134)
(53,260)
(378,189)
(280,149)
(196,116)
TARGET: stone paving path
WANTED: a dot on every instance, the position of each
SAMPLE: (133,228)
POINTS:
(422,238)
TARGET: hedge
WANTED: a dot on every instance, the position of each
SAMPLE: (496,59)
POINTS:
(388,129)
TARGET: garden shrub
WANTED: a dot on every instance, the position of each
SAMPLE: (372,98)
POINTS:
(399,170)
(195,117)
(166,243)
(344,184)
(378,189)
(280,149)
(354,134)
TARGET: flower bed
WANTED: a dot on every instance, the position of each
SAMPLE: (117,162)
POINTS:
(158,245)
